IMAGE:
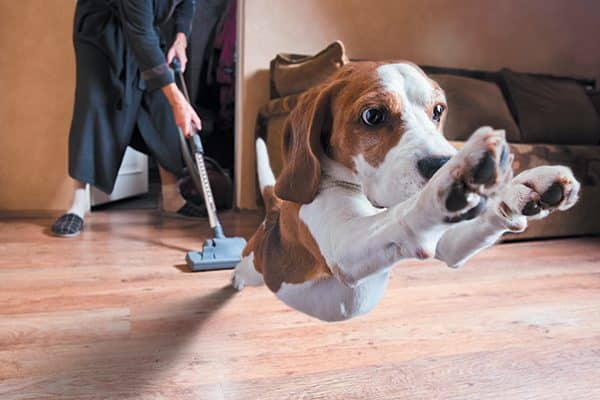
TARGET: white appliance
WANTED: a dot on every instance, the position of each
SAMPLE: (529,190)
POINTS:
(132,179)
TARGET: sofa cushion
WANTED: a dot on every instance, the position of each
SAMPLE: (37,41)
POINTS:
(291,74)
(550,110)
(473,103)
(585,162)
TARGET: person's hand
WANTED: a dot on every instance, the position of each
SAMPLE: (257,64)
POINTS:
(178,50)
(185,117)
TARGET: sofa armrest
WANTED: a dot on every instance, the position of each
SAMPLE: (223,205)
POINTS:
(595,99)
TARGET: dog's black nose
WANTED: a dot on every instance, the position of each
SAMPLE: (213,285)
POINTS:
(428,166)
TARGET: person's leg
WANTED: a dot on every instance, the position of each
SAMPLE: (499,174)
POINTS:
(81,201)
(172,201)
(71,222)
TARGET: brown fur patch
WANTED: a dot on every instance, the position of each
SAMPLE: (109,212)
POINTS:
(330,115)
(305,127)
(326,120)
(373,143)
(363,89)
(284,249)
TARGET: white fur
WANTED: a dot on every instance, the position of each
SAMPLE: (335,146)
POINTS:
(361,242)
(408,82)
(330,300)
(263,166)
(385,185)
(245,274)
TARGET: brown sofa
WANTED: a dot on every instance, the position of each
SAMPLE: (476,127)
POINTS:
(548,120)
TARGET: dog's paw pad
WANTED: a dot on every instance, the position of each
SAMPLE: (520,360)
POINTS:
(484,172)
(537,192)
(531,208)
(485,160)
(550,199)
(492,159)
(470,214)
(554,194)
(479,170)
(457,197)
(461,202)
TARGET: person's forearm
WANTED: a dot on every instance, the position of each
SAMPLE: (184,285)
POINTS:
(173,94)
(181,38)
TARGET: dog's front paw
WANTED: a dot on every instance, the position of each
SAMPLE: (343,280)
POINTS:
(537,192)
(478,171)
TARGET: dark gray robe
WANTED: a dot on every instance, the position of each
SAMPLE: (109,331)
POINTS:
(120,68)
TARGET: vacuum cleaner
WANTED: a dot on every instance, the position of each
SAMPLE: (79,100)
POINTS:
(220,252)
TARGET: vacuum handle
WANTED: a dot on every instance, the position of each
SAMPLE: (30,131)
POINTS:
(176,65)
(198,150)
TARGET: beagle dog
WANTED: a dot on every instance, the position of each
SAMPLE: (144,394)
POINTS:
(369,179)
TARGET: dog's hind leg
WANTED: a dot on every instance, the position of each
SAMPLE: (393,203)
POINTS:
(245,274)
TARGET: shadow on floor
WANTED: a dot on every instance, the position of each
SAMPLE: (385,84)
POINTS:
(152,242)
(133,366)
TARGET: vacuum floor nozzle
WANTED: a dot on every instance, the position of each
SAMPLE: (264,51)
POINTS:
(217,253)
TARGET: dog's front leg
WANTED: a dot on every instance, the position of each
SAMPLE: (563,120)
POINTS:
(358,241)
(533,194)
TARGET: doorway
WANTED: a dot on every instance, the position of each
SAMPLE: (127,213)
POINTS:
(210,76)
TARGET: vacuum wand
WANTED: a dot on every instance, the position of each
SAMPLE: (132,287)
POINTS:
(198,151)
(220,252)
(209,199)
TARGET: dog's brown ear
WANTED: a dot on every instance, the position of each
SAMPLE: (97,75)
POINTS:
(303,132)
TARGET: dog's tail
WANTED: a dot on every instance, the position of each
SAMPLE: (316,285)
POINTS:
(266,179)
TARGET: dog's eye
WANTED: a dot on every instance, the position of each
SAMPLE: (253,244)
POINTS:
(438,110)
(373,116)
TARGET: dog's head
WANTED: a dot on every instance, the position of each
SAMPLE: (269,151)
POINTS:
(383,122)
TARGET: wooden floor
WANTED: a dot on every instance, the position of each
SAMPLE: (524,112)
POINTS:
(114,314)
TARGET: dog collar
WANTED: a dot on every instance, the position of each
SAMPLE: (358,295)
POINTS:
(332,182)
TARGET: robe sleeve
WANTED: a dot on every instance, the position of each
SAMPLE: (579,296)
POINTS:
(138,24)
(183,15)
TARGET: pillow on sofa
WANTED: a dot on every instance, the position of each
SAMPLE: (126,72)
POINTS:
(551,110)
(291,74)
(473,103)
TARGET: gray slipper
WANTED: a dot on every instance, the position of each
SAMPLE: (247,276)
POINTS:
(67,225)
